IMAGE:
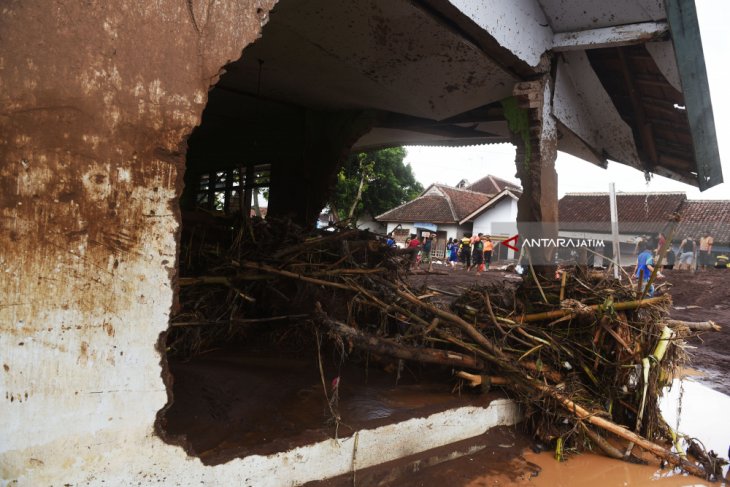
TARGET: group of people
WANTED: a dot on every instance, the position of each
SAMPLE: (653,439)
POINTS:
(686,250)
(474,252)
(649,248)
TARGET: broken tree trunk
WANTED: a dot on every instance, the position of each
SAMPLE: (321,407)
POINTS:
(387,347)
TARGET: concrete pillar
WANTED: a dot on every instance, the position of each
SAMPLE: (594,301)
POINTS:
(300,187)
(537,208)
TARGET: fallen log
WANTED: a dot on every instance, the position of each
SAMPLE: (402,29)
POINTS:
(694,325)
(387,347)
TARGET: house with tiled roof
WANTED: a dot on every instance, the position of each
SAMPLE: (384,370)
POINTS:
(452,212)
(492,185)
(700,216)
(588,215)
(638,213)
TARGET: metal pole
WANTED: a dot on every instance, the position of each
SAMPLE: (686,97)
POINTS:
(614,229)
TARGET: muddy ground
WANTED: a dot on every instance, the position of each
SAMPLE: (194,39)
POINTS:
(702,296)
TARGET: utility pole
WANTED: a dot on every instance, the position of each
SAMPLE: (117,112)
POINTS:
(614,229)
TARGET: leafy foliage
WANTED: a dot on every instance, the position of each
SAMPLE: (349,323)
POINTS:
(373,182)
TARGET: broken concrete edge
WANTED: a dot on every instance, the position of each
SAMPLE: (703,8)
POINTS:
(152,460)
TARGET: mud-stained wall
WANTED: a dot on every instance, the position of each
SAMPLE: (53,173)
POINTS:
(96,101)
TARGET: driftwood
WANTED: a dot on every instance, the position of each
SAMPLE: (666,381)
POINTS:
(596,420)
(694,325)
(559,313)
(564,363)
(387,347)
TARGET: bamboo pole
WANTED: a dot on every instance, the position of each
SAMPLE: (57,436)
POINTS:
(189,281)
(559,313)
(622,432)
(247,321)
(314,242)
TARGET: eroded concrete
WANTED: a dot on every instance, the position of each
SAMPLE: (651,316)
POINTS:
(97,100)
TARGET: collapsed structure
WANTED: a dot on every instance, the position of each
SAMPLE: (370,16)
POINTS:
(111,113)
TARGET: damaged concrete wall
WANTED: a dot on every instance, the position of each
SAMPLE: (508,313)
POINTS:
(96,101)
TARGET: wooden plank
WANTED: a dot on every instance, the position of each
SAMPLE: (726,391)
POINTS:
(683,24)
(621,35)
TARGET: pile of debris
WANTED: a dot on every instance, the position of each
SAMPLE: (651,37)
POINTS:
(587,355)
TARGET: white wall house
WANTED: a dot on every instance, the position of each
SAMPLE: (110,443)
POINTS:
(488,206)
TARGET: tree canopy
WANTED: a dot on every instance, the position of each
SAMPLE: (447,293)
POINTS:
(371,183)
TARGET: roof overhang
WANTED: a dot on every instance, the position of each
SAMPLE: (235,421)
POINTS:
(433,72)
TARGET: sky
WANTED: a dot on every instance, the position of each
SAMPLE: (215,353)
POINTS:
(450,165)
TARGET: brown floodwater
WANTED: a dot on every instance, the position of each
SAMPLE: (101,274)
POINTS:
(702,412)
(230,404)
(233,403)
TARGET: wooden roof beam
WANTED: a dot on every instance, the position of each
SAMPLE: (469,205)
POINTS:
(621,35)
(642,127)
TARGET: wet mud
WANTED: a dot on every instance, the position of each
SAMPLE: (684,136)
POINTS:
(233,403)
(702,296)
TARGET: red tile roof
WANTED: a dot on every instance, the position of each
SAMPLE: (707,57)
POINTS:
(637,212)
(464,201)
(492,185)
(437,204)
(698,216)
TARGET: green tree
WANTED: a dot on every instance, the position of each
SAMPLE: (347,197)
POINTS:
(371,183)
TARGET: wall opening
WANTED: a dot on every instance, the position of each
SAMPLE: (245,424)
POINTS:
(250,374)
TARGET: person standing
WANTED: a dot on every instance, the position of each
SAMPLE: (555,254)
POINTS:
(670,258)
(705,255)
(686,252)
(477,255)
(426,253)
(488,248)
(465,252)
(414,245)
(453,248)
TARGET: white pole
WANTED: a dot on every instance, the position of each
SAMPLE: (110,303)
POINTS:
(614,229)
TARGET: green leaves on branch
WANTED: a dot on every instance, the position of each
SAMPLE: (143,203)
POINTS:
(370,183)
(519,124)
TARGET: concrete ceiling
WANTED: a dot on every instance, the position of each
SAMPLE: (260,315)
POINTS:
(435,71)
(384,54)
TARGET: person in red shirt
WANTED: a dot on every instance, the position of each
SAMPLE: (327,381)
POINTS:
(415,246)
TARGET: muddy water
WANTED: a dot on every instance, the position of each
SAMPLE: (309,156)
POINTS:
(231,404)
(703,415)
(235,403)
